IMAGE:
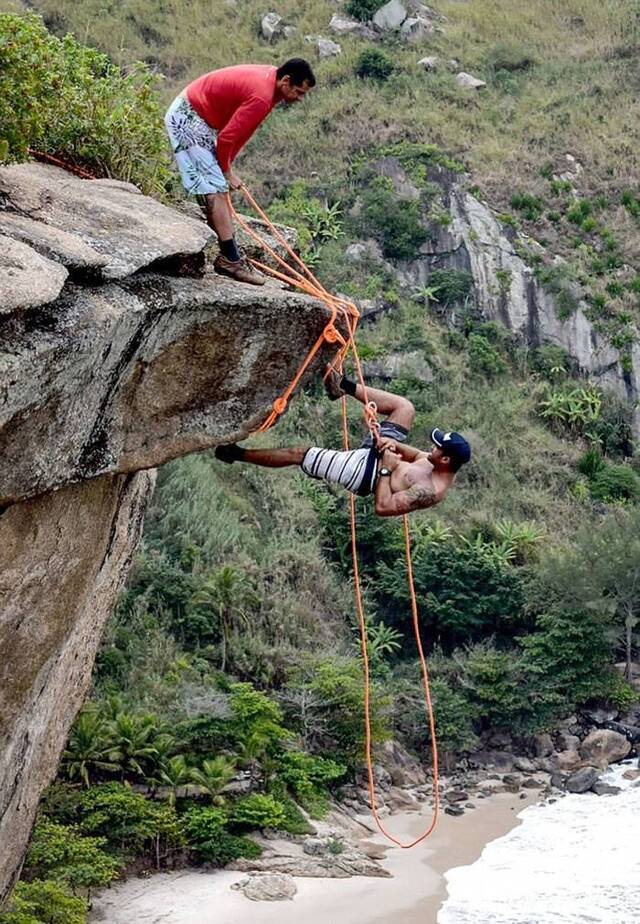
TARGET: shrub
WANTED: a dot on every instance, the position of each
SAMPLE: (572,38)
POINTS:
(510,57)
(44,902)
(493,684)
(206,835)
(257,811)
(61,853)
(530,206)
(62,98)
(394,222)
(451,286)
(616,482)
(468,590)
(374,64)
(591,463)
(130,823)
(484,358)
(364,10)
(567,663)
(304,774)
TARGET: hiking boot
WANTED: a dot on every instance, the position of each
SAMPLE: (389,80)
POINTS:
(238,269)
(332,384)
(230,452)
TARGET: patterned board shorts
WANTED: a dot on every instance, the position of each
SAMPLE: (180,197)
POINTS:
(354,469)
(194,148)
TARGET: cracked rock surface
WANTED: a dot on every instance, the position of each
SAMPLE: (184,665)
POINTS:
(119,349)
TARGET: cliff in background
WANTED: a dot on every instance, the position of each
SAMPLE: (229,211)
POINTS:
(120,350)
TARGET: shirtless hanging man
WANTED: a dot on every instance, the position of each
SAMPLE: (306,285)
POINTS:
(402,478)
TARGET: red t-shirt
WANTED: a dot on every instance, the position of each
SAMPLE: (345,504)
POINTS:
(234,101)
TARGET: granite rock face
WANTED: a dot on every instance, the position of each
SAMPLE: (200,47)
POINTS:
(119,349)
(505,288)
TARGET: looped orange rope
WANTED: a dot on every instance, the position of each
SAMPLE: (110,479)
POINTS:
(304,280)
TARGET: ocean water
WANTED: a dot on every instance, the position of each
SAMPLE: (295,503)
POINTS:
(576,861)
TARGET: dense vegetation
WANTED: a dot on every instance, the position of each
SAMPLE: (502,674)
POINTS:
(232,657)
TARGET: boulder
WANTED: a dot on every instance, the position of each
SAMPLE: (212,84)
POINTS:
(525,765)
(605,789)
(567,760)
(27,279)
(582,780)
(532,783)
(631,774)
(416,29)
(390,17)
(341,25)
(327,48)
(272,27)
(403,768)
(543,745)
(267,887)
(430,63)
(600,716)
(567,742)
(488,787)
(350,862)
(603,747)
(469,82)
(502,761)
(321,846)
(398,799)
(129,230)
(558,780)
(456,795)
(455,810)
(60,246)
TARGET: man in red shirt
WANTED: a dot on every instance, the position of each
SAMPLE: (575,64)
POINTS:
(208,125)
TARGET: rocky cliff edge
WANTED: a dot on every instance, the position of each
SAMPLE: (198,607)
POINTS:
(119,350)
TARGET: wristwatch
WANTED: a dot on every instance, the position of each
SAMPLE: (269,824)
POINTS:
(384,471)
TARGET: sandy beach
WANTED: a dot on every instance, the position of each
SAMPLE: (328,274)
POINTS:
(412,896)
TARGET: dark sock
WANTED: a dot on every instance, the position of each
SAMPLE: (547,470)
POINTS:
(229,453)
(348,387)
(229,250)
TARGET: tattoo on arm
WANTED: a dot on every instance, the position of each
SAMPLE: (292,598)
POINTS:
(420,496)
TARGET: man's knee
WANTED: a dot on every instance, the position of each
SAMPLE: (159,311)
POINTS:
(405,408)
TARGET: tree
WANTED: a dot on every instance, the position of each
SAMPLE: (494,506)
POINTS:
(600,573)
(213,776)
(132,743)
(174,772)
(228,594)
(88,748)
(467,590)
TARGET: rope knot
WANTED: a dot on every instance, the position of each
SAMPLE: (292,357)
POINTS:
(280,405)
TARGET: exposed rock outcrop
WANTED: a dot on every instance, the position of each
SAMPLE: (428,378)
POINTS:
(505,287)
(116,365)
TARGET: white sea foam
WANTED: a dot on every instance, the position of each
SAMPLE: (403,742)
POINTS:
(575,861)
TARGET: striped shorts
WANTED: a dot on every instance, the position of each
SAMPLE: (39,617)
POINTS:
(353,469)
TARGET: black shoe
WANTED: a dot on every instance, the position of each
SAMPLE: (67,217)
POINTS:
(229,453)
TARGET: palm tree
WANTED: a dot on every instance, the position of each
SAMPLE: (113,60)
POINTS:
(213,776)
(133,742)
(174,773)
(88,747)
(228,593)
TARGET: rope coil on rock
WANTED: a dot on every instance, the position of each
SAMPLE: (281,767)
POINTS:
(305,281)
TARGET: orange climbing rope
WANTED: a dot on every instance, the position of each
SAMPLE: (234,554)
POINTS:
(304,280)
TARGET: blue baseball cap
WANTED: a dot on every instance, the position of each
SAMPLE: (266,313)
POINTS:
(452,445)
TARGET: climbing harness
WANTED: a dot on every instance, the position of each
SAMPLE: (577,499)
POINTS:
(303,279)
